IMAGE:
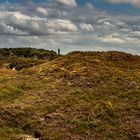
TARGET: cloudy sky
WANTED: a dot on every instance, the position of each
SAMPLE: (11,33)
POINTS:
(96,25)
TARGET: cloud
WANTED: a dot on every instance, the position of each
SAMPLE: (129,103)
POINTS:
(67,25)
(25,23)
(61,25)
(102,20)
(133,2)
(108,25)
(9,30)
(121,24)
(42,10)
(134,34)
(19,17)
(19,23)
(87,27)
(71,3)
(113,38)
(89,5)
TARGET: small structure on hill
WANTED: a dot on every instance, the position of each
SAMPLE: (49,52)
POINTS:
(59,52)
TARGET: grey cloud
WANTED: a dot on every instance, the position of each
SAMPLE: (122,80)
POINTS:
(134,34)
(6,29)
(36,25)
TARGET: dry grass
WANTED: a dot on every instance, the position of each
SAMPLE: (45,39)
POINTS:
(83,95)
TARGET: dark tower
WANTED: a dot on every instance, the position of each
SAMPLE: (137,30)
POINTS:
(58,51)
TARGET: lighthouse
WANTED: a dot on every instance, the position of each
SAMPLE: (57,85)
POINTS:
(59,51)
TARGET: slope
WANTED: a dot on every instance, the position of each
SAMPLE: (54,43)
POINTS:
(83,95)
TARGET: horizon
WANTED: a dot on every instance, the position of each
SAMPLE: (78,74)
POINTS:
(74,25)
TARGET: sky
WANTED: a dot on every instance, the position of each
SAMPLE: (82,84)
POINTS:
(71,25)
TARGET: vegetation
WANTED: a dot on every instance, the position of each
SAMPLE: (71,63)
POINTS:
(82,95)
(28,53)
(19,58)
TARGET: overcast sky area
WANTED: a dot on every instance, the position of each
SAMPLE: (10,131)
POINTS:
(87,25)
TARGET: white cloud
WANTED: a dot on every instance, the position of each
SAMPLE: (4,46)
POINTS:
(39,26)
(90,5)
(87,27)
(108,25)
(42,10)
(113,38)
(61,25)
(102,20)
(23,22)
(125,30)
(135,34)
(19,16)
(71,3)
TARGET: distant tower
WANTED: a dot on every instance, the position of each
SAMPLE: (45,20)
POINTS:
(58,51)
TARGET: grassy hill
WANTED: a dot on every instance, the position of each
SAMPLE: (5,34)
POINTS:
(79,96)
